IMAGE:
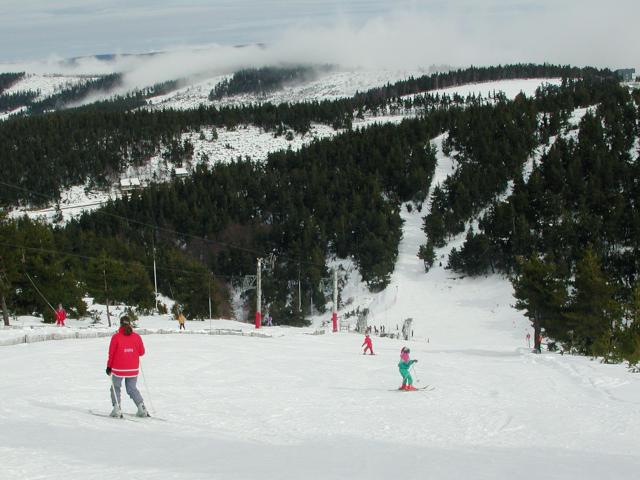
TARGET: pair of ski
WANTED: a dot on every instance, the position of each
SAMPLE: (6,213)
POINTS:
(426,388)
(127,416)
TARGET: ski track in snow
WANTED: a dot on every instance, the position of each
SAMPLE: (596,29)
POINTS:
(240,407)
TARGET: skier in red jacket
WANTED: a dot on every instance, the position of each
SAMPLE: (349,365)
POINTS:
(61,316)
(125,350)
(369,345)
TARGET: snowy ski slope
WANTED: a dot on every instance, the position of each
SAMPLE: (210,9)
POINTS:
(295,405)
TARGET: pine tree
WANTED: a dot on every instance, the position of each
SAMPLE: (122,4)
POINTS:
(542,295)
(427,254)
(593,314)
(628,344)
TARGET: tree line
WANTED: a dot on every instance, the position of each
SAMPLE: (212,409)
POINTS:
(264,80)
(98,141)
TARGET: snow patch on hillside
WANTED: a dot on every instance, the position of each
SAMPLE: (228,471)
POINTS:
(250,141)
(329,86)
(510,88)
(47,85)
(6,115)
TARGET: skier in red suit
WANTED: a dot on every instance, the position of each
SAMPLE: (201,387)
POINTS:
(125,350)
(61,316)
(369,345)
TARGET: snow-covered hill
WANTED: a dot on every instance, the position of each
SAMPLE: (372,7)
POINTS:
(293,405)
(328,86)
(47,84)
(255,142)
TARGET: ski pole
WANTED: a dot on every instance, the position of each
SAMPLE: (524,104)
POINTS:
(146,387)
(413,367)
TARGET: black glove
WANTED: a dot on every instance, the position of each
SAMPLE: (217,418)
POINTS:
(416,361)
(108,370)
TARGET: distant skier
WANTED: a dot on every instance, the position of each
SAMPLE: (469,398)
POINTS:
(404,365)
(369,345)
(181,321)
(61,315)
(125,350)
(538,346)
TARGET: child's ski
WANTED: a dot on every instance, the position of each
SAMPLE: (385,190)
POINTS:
(427,388)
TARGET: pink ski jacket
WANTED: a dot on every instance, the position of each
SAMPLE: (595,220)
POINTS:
(124,354)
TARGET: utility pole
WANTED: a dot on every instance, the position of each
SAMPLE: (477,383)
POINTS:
(334,316)
(106,294)
(299,291)
(155,277)
(209,296)
(259,294)
(210,302)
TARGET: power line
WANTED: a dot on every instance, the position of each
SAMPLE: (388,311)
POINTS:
(168,230)
(109,259)
(138,222)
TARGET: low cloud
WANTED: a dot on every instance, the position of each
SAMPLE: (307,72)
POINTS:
(424,33)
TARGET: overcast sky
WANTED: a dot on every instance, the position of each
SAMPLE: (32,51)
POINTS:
(375,33)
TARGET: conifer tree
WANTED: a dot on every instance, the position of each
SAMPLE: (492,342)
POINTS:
(628,344)
(542,295)
(593,314)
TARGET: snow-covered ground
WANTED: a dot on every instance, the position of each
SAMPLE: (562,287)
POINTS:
(6,115)
(510,88)
(295,405)
(47,84)
(327,86)
(303,406)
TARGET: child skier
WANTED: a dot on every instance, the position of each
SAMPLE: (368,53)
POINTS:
(404,365)
(125,350)
(61,316)
(369,345)
(181,321)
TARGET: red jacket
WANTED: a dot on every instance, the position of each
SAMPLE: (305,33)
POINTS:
(124,354)
(61,315)
(367,342)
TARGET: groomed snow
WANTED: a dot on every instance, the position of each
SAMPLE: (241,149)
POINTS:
(295,405)
(313,407)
